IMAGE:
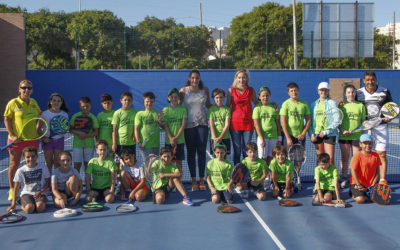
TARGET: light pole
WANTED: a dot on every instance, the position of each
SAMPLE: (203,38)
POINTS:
(77,43)
(220,47)
(294,36)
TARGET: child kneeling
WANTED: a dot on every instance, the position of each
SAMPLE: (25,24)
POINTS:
(282,170)
(166,176)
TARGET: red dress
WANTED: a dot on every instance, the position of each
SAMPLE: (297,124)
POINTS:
(242,110)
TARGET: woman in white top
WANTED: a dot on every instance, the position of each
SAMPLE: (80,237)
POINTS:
(196,101)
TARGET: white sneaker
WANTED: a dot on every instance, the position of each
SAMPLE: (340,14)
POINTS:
(244,193)
(267,183)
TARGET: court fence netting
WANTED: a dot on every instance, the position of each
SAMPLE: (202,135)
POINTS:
(307,172)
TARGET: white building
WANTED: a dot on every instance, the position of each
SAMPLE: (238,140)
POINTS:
(388,31)
(220,37)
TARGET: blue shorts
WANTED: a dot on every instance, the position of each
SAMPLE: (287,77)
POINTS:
(179,153)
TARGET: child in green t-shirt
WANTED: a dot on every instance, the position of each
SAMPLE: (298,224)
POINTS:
(267,125)
(147,127)
(292,113)
(354,113)
(219,171)
(105,118)
(123,125)
(219,118)
(282,170)
(100,175)
(326,181)
(258,171)
(166,176)
(83,144)
(175,117)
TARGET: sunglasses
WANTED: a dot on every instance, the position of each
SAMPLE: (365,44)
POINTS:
(26,87)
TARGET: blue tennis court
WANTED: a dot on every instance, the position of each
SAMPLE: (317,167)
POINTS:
(259,225)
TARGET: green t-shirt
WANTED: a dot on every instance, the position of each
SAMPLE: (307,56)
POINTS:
(353,114)
(149,127)
(295,113)
(158,167)
(218,115)
(282,170)
(101,172)
(326,177)
(256,168)
(267,115)
(320,121)
(125,121)
(174,119)
(105,126)
(220,173)
(89,142)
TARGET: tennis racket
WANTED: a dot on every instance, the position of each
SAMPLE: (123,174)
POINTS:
(92,207)
(65,212)
(240,174)
(83,123)
(30,132)
(333,203)
(333,118)
(297,154)
(224,208)
(389,110)
(152,173)
(287,203)
(380,194)
(10,217)
(58,125)
(127,207)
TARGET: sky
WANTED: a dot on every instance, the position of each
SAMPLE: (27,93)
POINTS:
(217,13)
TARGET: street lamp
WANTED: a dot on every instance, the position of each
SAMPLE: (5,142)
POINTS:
(220,46)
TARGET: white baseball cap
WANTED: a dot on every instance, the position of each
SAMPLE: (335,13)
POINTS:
(323,85)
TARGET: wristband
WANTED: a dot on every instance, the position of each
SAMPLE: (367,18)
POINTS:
(382,180)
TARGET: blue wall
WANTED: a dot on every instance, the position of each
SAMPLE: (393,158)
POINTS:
(73,84)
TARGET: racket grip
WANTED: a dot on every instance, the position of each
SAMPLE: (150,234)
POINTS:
(7,146)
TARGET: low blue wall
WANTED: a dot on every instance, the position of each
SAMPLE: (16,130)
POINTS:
(73,84)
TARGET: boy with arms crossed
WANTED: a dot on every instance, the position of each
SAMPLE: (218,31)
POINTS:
(123,125)
(105,118)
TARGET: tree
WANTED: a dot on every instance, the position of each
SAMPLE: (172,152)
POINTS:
(100,37)
(47,39)
(8,9)
(247,42)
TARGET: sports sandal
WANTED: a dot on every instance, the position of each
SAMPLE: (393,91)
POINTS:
(202,187)
(195,187)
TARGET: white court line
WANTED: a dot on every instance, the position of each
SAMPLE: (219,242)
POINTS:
(393,156)
(264,225)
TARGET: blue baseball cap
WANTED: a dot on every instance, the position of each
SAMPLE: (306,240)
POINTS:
(365,137)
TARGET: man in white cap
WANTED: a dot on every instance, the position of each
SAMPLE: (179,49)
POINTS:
(373,97)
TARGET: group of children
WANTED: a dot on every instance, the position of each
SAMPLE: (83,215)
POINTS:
(118,132)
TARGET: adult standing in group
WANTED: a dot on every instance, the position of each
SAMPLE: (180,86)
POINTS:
(241,96)
(373,97)
(323,133)
(18,111)
(196,101)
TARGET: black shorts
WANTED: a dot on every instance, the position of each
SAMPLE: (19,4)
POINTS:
(354,192)
(64,192)
(326,139)
(351,142)
(28,199)
(166,189)
(179,153)
(282,187)
(224,195)
(324,192)
(226,142)
(100,193)
(257,189)
(296,141)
